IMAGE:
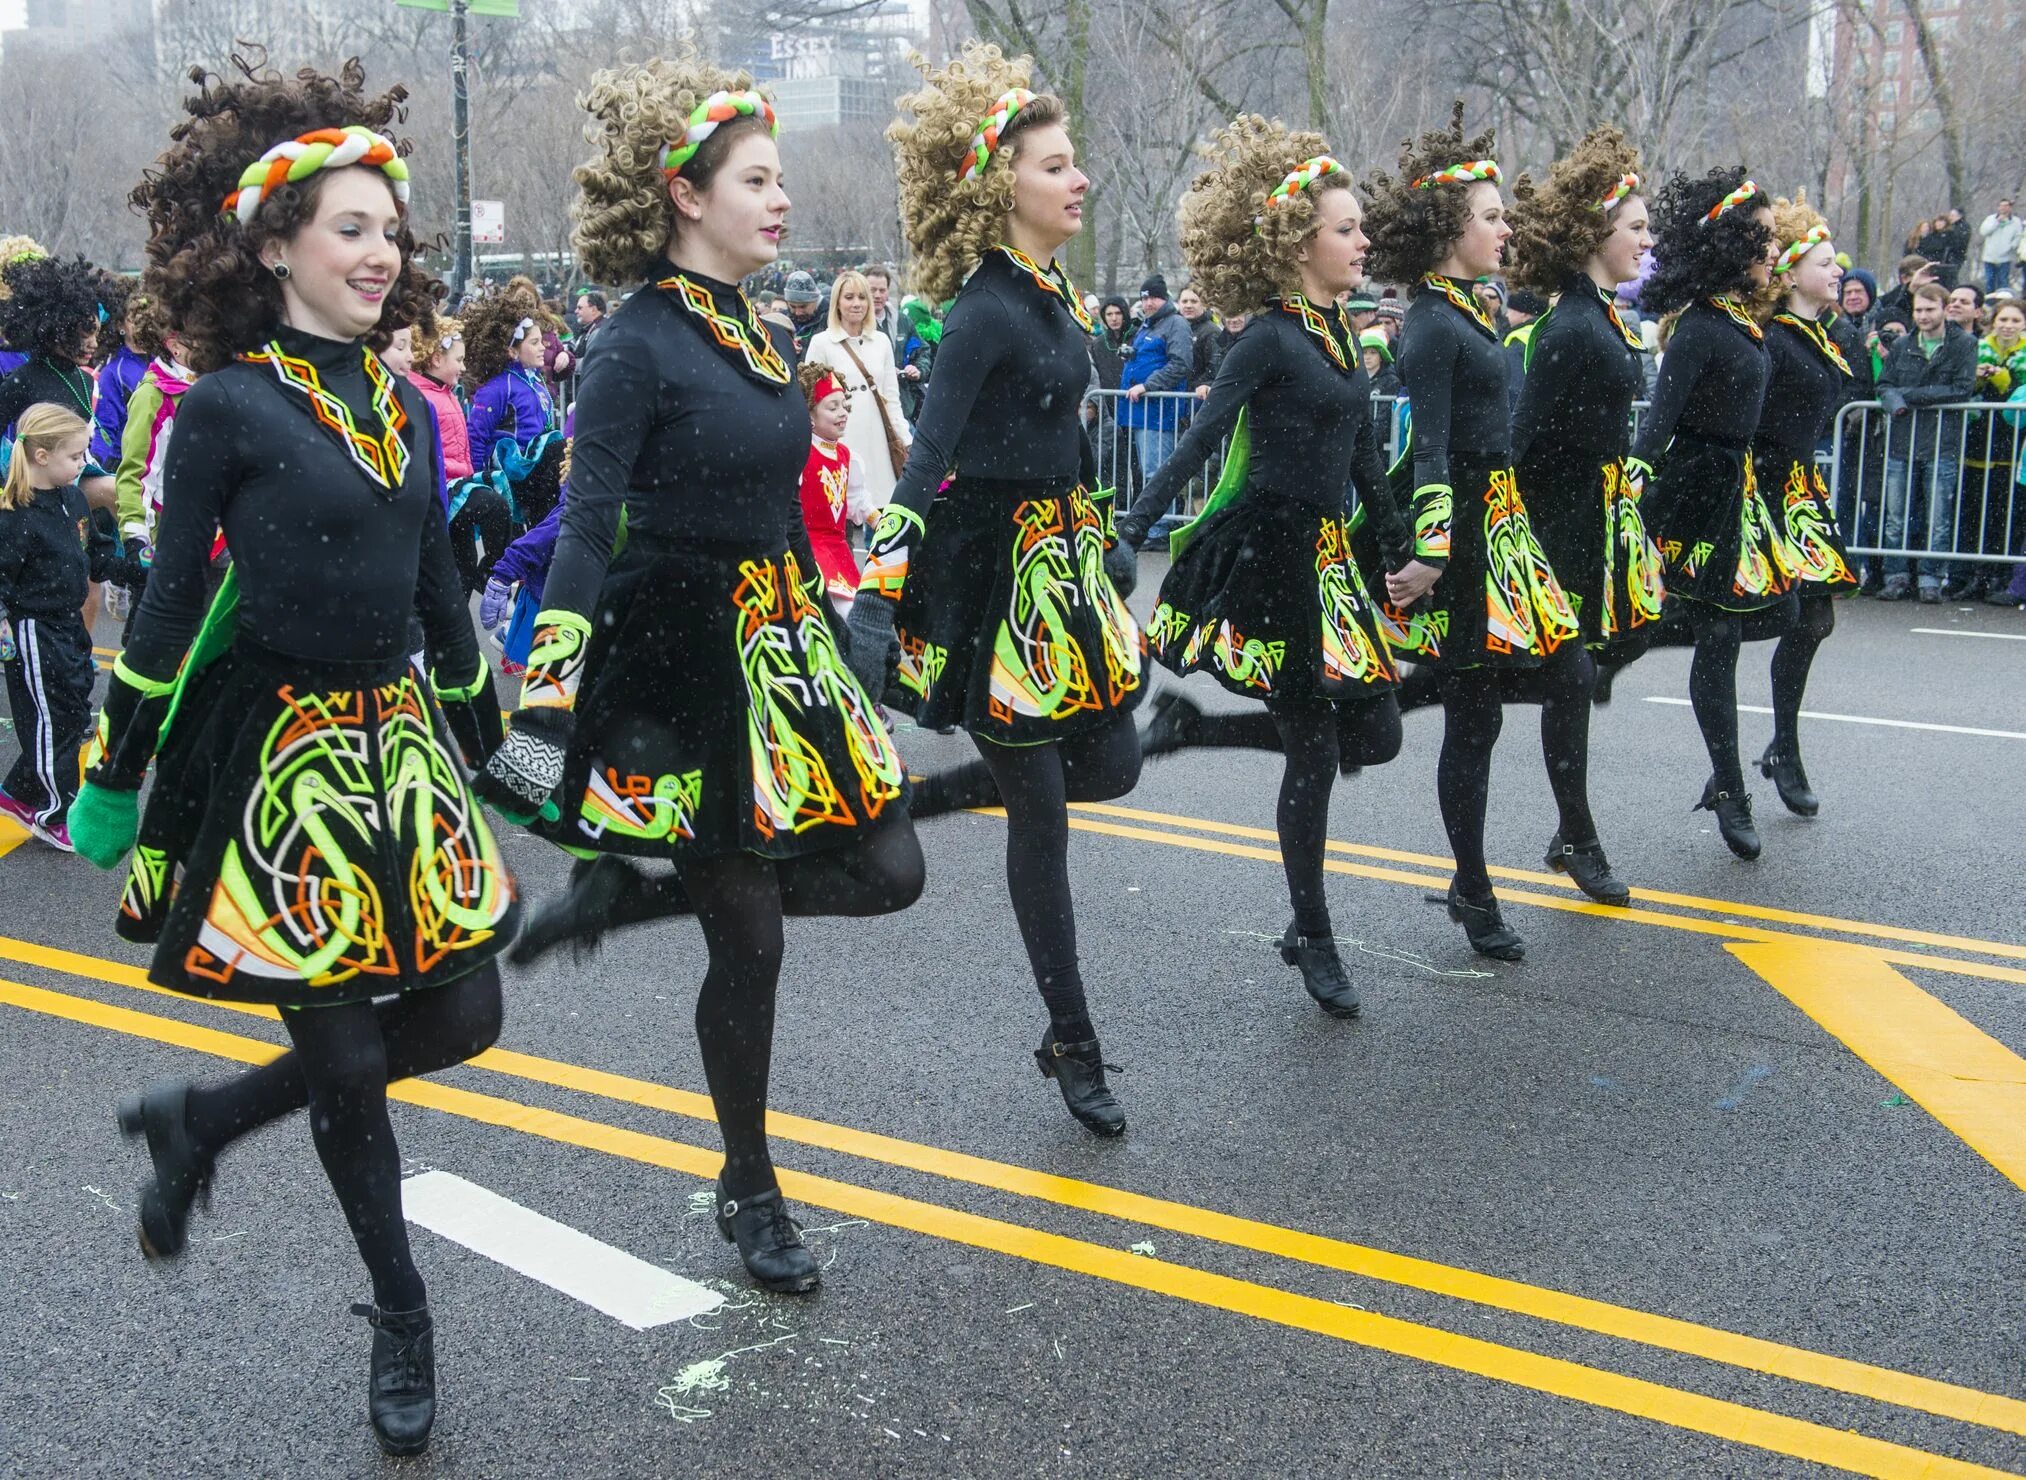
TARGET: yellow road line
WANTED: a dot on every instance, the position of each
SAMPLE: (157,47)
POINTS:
(1756,1354)
(1629,914)
(1560,881)
(1675,1407)
(1951,1068)
(12,835)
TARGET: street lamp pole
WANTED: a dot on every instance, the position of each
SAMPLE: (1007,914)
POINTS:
(460,129)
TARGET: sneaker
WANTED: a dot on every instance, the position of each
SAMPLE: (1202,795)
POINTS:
(1962,590)
(1930,596)
(23,815)
(2000,596)
(1896,591)
(55,834)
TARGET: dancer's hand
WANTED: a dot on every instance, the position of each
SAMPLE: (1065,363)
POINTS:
(870,627)
(104,822)
(1411,582)
(520,778)
(1122,564)
(492,607)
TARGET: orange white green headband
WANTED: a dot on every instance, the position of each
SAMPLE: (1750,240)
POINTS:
(1627,183)
(985,142)
(295,160)
(704,120)
(1302,176)
(1737,197)
(1466,173)
(1817,234)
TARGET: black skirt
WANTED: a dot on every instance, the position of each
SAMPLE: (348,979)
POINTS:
(1807,522)
(1009,625)
(716,714)
(311,839)
(1498,603)
(1595,537)
(1718,542)
(1267,597)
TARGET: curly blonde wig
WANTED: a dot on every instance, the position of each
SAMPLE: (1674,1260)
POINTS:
(623,214)
(1412,230)
(429,337)
(1240,252)
(953,222)
(14,249)
(1556,226)
(1792,220)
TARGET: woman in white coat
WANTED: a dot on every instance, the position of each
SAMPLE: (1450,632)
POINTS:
(862,358)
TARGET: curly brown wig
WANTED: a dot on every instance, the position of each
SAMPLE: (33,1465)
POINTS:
(1695,257)
(623,213)
(809,376)
(1412,230)
(489,326)
(1556,226)
(1239,252)
(50,306)
(951,222)
(214,292)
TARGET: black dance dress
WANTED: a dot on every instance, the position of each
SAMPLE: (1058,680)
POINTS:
(1498,602)
(713,711)
(311,837)
(1264,592)
(1809,377)
(1718,542)
(1571,433)
(1008,624)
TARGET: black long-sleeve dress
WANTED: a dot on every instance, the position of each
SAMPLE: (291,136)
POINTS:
(1264,592)
(1498,602)
(1718,542)
(1008,624)
(1570,436)
(713,712)
(311,837)
(1808,381)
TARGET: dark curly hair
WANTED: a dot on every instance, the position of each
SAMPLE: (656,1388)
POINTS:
(1556,226)
(1412,230)
(1695,257)
(489,326)
(51,304)
(213,290)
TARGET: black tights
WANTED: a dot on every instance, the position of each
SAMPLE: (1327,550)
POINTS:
(343,1059)
(1792,659)
(1473,701)
(1713,692)
(1037,783)
(739,900)
(485,514)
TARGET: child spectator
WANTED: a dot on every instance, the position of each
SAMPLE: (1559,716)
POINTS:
(833,492)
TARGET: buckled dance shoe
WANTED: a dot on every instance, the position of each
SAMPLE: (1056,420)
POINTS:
(1078,1071)
(1322,971)
(1483,925)
(1586,864)
(401,1390)
(769,1241)
(1784,771)
(604,893)
(1733,811)
(182,1173)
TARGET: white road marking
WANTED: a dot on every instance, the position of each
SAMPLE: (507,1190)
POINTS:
(1862,719)
(630,1290)
(1960,632)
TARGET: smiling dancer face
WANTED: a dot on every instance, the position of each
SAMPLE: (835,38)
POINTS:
(1589,216)
(337,267)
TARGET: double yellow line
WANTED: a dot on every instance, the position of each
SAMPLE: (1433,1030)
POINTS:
(1677,1407)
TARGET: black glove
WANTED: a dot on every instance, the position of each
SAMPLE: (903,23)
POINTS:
(870,629)
(472,713)
(1122,565)
(1893,400)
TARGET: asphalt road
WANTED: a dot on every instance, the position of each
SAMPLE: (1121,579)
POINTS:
(1728,1184)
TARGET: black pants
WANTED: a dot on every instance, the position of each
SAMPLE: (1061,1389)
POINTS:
(341,1062)
(49,694)
(484,516)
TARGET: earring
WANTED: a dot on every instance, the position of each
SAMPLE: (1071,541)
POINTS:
(280,270)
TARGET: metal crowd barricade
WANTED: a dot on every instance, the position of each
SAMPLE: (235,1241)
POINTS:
(1934,485)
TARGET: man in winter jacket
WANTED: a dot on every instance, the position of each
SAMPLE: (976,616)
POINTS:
(2001,234)
(1933,366)
(1162,353)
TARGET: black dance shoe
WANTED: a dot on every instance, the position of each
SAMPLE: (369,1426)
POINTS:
(1785,772)
(770,1242)
(1733,818)
(1587,865)
(1322,971)
(605,893)
(1171,722)
(1078,1071)
(182,1172)
(1482,924)
(401,1392)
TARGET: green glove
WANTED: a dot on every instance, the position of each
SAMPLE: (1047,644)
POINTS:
(104,823)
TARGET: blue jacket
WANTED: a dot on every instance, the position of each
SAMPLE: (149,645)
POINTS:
(1160,357)
(118,379)
(513,406)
